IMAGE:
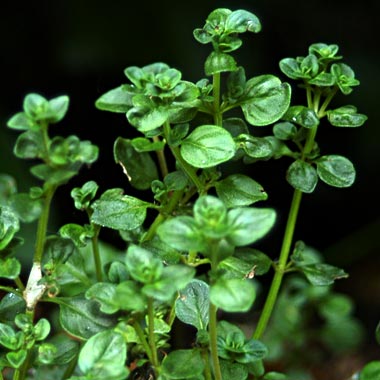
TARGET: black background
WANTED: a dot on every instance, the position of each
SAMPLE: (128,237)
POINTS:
(81,47)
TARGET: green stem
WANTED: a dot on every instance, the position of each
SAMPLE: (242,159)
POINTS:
(19,283)
(141,335)
(206,360)
(161,159)
(42,225)
(280,269)
(70,368)
(151,338)
(216,93)
(213,321)
(16,374)
(96,253)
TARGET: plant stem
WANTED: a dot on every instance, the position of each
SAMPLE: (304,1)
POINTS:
(96,253)
(280,269)
(70,368)
(151,338)
(207,370)
(188,169)
(213,341)
(19,283)
(140,334)
(161,159)
(216,93)
(42,225)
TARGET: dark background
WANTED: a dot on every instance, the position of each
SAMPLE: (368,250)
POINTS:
(81,47)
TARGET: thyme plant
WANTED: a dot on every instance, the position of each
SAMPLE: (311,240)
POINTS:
(195,254)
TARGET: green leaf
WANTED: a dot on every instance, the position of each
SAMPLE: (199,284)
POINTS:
(117,211)
(173,279)
(321,274)
(35,106)
(248,225)
(183,364)
(346,116)
(233,295)
(58,108)
(241,21)
(9,225)
(336,307)
(84,195)
(142,144)
(129,296)
(182,233)
(285,130)
(41,329)
(239,190)
(8,187)
(142,265)
(52,176)
(11,305)
(10,268)
(302,176)
(371,371)
(303,116)
(245,263)
(255,147)
(207,146)
(66,349)
(218,62)
(275,376)
(336,170)
(26,208)
(46,353)
(138,166)
(105,294)
(192,305)
(29,145)
(235,371)
(147,119)
(9,338)
(266,99)
(103,356)
(20,121)
(16,358)
(115,100)
(81,318)
(80,235)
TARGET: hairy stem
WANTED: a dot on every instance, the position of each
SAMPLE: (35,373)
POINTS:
(141,335)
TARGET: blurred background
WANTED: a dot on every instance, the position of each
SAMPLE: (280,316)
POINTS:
(81,47)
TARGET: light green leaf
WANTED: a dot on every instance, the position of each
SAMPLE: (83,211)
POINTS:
(218,62)
(336,170)
(130,297)
(105,294)
(239,190)
(321,274)
(248,225)
(103,356)
(241,21)
(16,358)
(183,364)
(302,176)
(117,211)
(346,116)
(207,146)
(192,305)
(267,99)
(115,100)
(371,371)
(10,268)
(233,295)
(302,116)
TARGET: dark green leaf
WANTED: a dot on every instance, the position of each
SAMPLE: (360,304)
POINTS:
(80,235)
(11,305)
(239,190)
(207,146)
(346,116)
(255,147)
(218,62)
(302,176)
(177,134)
(267,99)
(117,211)
(291,68)
(26,208)
(235,371)
(183,364)
(176,180)
(103,356)
(138,166)
(336,171)
(82,318)
(322,274)
(192,305)
(233,295)
(235,126)
(104,293)
(248,225)
(84,195)
(115,100)
(66,349)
